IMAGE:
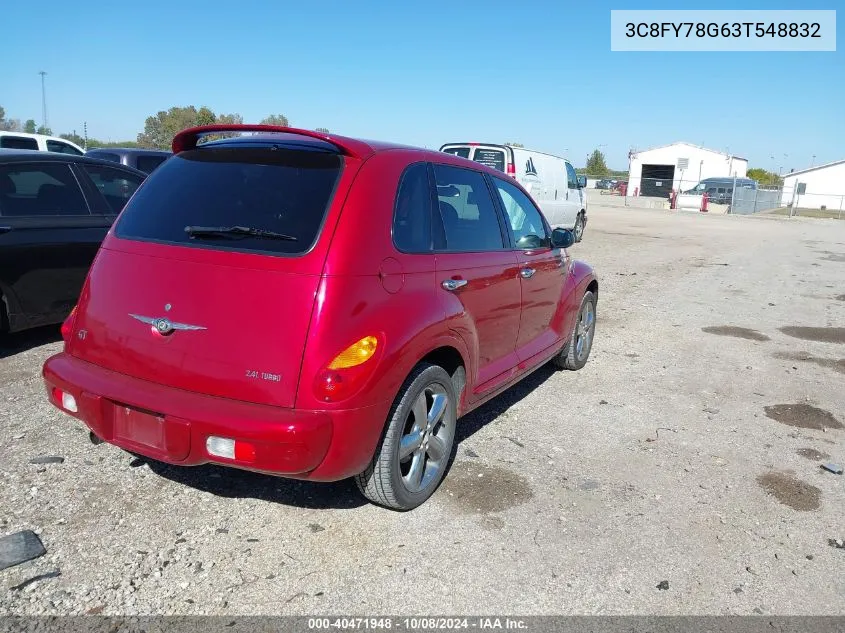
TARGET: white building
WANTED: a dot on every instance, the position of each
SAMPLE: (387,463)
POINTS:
(816,188)
(659,170)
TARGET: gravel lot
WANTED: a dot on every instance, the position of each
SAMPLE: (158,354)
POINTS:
(668,458)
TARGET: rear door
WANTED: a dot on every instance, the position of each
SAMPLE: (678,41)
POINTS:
(542,273)
(111,186)
(48,239)
(477,273)
(207,310)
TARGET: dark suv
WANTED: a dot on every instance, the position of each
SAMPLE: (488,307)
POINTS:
(55,209)
(145,160)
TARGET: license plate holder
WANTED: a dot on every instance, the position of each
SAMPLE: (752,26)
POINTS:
(139,427)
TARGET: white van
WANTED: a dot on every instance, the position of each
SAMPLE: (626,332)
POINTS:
(38,143)
(549,179)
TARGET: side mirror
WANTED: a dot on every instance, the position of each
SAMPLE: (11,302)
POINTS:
(562,238)
(582,182)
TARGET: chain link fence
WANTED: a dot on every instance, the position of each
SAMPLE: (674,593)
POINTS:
(739,196)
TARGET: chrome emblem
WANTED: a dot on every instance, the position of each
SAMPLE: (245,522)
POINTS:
(165,326)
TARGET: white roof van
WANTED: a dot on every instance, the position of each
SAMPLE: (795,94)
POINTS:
(551,180)
(38,143)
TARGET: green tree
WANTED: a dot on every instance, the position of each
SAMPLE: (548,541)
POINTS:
(44,130)
(29,127)
(764,177)
(324,130)
(160,129)
(596,165)
(9,125)
(276,119)
(230,119)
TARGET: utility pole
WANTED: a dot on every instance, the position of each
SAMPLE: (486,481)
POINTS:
(43,100)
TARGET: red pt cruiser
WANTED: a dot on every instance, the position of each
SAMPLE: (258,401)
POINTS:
(317,307)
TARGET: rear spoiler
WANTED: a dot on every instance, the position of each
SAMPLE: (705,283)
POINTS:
(188,139)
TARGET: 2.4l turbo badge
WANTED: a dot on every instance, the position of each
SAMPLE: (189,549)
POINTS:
(263,375)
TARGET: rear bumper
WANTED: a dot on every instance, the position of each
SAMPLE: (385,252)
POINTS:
(315,445)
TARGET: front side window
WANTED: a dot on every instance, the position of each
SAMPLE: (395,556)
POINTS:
(246,199)
(468,220)
(524,220)
(571,178)
(37,189)
(412,213)
(115,185)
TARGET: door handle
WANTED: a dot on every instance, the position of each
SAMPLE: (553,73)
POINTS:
(453,284)
(5,229)
(527,273)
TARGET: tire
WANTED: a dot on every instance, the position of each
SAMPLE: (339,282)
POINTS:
(580,226)
(405,483)
(577,350)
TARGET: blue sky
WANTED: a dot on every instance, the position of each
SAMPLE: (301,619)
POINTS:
(422,73)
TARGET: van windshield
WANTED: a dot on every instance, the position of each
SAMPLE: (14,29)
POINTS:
(270,191)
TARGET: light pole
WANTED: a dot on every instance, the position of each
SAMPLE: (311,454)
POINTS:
(43,100)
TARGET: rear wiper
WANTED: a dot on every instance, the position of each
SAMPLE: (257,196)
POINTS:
(225,231)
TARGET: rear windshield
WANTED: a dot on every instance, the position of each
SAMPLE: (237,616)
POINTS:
(463,152)
(115,158)
(280,190)
(149,163)
(491,157)
(18,142)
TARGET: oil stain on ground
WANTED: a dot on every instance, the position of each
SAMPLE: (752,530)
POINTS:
(818,334)
(812,454)
(840,297)
(791,491)
(474,488)
(738,332)
(803,416)
(805,357)
(834,257)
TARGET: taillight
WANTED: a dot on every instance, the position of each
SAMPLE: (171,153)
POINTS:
(67,325)
(511,170)
(347,371)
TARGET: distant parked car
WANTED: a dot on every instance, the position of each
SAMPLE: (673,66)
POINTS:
(605,183)
(145,160)
(720,190)
(38,143)
(54,212)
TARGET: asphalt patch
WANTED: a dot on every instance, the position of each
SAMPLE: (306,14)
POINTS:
(806,357)
(802,416)
(817,334)
(791,491)
(474,488)
(812,454)
(737,332)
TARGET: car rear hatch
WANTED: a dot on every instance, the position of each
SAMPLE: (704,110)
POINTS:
(207,281)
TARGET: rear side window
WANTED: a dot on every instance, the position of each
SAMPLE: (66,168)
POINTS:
(283,191)
(18,142)
(115,158)
(149,163)
(412,214)
(468,220)
(115,185)
(491,157)
(463,152)
(36,189)
(62,148)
